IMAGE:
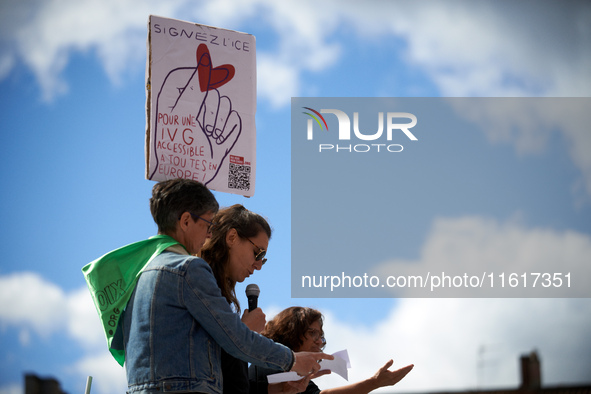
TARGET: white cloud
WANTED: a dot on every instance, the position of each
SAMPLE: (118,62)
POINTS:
(578,139)
(36,305)
(529,124)
(83,321)
(301,28)
(482,247)
(107,376)
(471,48)
(277,81)
(467,48)
(469,343)
(488,48)
(482,48)
(222,13)
(44,34)
(31,303)
(462,344)
(443,338)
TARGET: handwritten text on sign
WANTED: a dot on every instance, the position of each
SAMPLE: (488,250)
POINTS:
(201,105)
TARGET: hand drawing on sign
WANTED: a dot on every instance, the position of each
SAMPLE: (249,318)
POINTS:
(189,103)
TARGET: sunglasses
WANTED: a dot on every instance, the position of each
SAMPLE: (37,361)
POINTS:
(260,255)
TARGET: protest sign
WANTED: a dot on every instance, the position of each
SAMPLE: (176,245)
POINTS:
(200,105)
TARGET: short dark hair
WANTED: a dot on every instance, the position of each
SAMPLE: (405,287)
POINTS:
(171,198)
(216,252)
(291,325)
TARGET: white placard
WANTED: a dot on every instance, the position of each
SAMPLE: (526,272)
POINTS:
(200,105)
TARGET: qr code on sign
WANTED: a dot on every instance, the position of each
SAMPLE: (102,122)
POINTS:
(239,177)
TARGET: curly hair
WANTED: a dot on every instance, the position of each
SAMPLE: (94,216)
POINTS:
(290,326)
(216,252)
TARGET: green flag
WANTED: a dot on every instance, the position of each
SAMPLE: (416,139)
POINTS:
(112,278)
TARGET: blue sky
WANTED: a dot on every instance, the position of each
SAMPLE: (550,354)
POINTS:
(72,91)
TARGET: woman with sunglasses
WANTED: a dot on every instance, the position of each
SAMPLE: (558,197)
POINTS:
(300,329)
(237,248)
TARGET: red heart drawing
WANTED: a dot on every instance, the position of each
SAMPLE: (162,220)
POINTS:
(211,78)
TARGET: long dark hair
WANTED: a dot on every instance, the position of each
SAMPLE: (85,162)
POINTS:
(216,252)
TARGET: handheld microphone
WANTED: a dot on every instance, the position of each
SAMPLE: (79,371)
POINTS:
(252,293)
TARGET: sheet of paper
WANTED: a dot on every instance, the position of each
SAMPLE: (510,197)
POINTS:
(339,366)
(283,377)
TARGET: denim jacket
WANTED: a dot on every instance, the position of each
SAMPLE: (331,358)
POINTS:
(176,323)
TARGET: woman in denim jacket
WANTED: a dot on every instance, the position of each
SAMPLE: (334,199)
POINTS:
(177,322)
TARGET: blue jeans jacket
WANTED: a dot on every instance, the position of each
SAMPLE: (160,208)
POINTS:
(175,325)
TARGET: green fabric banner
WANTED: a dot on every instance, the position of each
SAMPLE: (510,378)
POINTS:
(112,278)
